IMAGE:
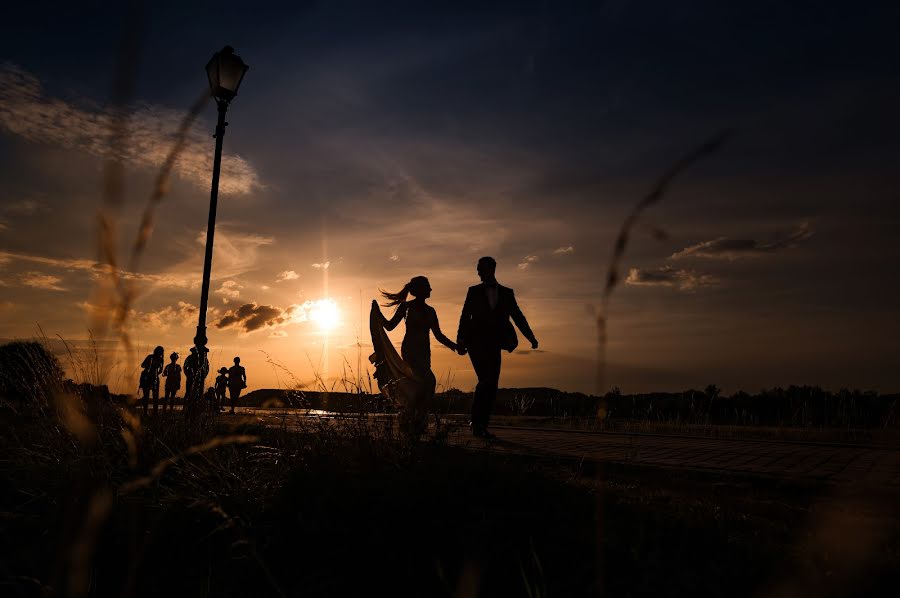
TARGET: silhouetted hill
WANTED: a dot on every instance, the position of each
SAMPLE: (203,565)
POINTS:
(345,401)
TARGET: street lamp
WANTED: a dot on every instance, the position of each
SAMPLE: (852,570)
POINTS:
(225,71)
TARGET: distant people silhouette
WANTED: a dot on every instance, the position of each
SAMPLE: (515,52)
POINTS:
(221,387)
(191,367)
(151,369)
(172,374)
(485,330)
(210,397)
(237,381)
(408,381)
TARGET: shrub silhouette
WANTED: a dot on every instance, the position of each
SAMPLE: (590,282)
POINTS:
(29,373)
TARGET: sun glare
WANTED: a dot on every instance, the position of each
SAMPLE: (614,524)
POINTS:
(325,314)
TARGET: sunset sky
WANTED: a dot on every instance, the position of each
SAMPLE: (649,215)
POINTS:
(370,143)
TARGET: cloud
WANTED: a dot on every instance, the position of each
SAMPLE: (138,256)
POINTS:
(684,280)
(564,250)
(252,316)
(229,290)
(466,226)
(40,280)
(287,275)
(183,314)
(236,253)
(278,334)
(527,261)
(26,111)
(181,280)
(70,264)
(732,249)
(92,309)
(25,207)
(322,266)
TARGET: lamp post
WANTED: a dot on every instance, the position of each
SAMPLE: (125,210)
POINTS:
(225,71)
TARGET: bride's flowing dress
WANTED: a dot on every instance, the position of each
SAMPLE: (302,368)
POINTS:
(408,380)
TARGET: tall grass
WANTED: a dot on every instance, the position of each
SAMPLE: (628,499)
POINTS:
(112,470)
(96,501)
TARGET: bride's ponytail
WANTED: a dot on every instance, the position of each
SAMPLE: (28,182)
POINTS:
(395,298)
(415,286)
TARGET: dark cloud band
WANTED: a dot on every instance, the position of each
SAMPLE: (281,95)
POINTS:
(684,280)
(731,249)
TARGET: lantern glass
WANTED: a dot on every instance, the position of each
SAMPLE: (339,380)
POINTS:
(225,71)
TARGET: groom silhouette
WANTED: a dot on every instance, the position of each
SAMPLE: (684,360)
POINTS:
(485,330)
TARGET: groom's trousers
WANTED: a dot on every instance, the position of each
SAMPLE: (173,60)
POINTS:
(486,361)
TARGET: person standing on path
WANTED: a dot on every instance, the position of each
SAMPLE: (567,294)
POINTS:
(485,330)
(172,374)
(211,402)
(237,381)
(221,386)
(191,365)
(151,368)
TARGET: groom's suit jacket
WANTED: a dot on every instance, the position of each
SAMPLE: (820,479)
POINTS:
(481,326)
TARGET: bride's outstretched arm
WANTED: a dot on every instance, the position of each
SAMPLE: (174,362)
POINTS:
(395,319)
(436,329)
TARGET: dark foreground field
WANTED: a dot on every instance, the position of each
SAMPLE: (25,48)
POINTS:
(108,505)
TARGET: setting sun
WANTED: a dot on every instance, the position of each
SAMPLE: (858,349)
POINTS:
(325,314)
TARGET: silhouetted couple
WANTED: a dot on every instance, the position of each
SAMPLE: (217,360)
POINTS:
(484,331)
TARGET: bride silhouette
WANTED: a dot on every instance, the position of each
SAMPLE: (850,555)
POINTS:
(407,379)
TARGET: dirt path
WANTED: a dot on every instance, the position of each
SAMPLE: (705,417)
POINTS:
(833,462)
(822,461)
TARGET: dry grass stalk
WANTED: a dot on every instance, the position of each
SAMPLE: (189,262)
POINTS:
(117,293)
(85,543)
(613,276)
(161,467)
